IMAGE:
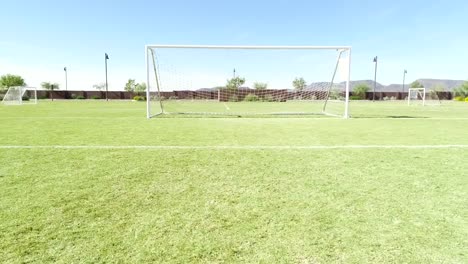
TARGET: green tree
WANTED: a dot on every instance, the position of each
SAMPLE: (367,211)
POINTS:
(99,86)
(461,90)
(260,85)
(434,92)
(235,83)
(416,84)
(438,88)
(361,90)
(299,84)
(10,80)
(140,88)
(130,85)
(50,86)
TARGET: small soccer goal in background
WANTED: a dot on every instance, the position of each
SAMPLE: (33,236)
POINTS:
(419,96)
(20,95)
(248,80)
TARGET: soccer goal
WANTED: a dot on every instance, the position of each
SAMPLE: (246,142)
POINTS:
(20,95)
(419,96)
(248,80)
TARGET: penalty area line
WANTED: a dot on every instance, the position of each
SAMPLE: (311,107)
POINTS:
(233,147)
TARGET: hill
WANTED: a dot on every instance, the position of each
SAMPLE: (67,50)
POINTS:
(445,84)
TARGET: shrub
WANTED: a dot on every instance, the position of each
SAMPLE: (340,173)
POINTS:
(42,97)
(156,98)
(73,96)
(269,98)
(260,85)
(361,90)
(25,98)
(335,95)
(251,98)
(355,97)
(80,97)
(466,99)
(95,97)
(459,98)
(139,98)
(233,98)
(1,97)
(462,90)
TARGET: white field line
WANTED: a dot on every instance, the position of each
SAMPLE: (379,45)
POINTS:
(227,107)
(246,147)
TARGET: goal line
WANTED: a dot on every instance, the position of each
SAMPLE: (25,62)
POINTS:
(234,147)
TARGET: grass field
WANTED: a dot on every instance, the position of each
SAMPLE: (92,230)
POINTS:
(359,109)
(94,182)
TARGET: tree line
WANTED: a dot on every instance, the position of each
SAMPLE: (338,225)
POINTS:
(236,82)
(360,90)
(11,80)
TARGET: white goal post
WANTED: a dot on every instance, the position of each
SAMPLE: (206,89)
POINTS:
(420,96)
(20,95)
(247,80)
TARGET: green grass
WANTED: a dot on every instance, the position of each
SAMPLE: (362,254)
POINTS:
(359,109)
(232,205)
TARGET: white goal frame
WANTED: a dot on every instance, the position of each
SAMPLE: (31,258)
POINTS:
(19,100)
(421,91)
(149,49)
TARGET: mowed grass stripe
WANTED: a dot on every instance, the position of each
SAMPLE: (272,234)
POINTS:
(112,186)
(164,206)
(240,147)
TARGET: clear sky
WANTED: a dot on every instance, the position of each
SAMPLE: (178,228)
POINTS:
(39,38)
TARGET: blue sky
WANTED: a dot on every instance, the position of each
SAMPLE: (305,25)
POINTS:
(39,38)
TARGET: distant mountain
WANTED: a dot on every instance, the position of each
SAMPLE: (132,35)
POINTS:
(447,85)
(217,88)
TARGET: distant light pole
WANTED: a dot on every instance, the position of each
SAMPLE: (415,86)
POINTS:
(66,78)
(404,75)
(52,87)
(106,57)
(375,78)
(234,73)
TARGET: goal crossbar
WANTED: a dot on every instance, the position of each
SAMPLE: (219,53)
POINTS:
(246,47)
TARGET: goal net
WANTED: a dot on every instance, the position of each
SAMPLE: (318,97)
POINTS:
(247,80)
(419,96)
(20,95)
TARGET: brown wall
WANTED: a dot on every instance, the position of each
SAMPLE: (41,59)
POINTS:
(402,96)
(280,95)
(86,94)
